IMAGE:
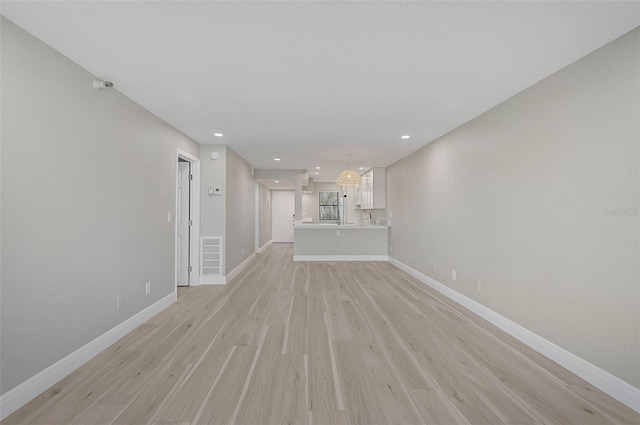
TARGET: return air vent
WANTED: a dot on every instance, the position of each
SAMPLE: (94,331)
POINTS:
(211,256)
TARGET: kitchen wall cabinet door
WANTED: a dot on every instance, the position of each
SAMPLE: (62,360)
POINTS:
(374,189)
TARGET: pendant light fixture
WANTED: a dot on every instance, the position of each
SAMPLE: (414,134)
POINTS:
(349,177)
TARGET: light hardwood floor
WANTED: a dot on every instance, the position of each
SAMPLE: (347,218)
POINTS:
(320,343)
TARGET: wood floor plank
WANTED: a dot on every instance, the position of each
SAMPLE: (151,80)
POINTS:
(85,396)
(395,401)
(340,326)
(144,407)
(613,409)
(361,403)
(220,403)
(259,399)
(399,355)
(315,343)
(146,370)
(172,423)
(360,329)
(296,342)
(101,414)
(289,387)
(186,402)
(300,279)
(102,363)
(281,303)
(322,389)
(329,417)
(243,329)
(434,408)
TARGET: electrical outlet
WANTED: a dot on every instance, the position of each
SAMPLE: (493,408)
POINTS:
(453,275)
(147,288)
(479,285)
(435,267)
(119,302)
(242,251)
(391,248)
(168,217)
(337,232)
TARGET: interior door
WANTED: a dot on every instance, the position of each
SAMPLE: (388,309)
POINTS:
(283,206)
(183,222)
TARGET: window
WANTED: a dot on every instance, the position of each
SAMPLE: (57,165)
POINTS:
(328,206)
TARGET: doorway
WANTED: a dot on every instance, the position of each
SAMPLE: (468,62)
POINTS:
(186,220)
(283,207)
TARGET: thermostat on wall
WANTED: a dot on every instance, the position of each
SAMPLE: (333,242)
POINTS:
(215,155)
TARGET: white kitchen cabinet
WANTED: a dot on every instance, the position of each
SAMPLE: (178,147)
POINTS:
(373,193)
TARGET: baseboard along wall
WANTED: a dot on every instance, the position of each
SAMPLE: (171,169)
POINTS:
(600,378)
(14,399)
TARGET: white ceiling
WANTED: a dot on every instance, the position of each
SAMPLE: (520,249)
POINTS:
(310,82)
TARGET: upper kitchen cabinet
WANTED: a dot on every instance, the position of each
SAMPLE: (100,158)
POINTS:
(373,193)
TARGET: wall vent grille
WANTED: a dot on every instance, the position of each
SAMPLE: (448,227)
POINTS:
(211,260)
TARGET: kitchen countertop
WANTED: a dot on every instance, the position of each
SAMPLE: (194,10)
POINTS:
(339,226)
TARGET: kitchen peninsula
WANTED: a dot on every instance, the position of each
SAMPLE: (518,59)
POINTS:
(334,242)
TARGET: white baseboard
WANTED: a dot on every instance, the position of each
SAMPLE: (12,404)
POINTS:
(340,258)
(264,247)
(233,273)
(212,280)
(606,382)
(14,399)
(222,280)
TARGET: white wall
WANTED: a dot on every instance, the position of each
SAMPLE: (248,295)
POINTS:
(240,194)
(310,201)
(88,178)
(232,213)
(264,215)
(311,204)
(213,208)
(539,198)
(283,207)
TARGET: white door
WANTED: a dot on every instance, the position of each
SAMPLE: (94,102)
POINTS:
(183,217)
(283,206)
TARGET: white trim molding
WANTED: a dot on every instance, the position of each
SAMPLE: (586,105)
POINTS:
(233,273)
(194,202)
(606,382)
(212,280)
(28,390)
(264,247)
(222,280)
(340,258)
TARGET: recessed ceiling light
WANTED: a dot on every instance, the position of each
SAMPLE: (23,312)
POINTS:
(276,181)
(406,136)
(218,134)
(276,159)
(362,168)
(317,173)
(317,168)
